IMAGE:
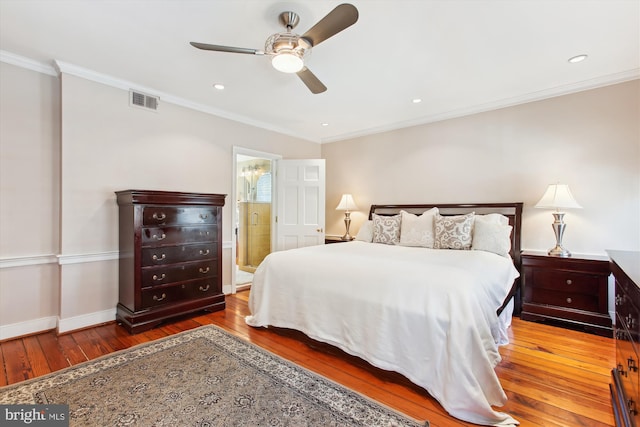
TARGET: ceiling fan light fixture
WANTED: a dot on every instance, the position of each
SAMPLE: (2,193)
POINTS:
(287,62)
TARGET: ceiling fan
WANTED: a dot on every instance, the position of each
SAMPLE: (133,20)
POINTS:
(288,50)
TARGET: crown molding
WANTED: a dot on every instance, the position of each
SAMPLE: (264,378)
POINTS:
(594,83)
(28,63)
(59,67)
(67,68)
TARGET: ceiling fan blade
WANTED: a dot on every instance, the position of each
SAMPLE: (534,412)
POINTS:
(311,81)
(338,19)
(230,49)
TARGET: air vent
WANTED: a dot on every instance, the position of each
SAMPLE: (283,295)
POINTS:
(142,100)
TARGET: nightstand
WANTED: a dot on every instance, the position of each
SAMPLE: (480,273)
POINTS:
(570,292)
(335,239)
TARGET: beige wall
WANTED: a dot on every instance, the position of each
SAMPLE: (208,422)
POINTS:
(105,146)
(29,199)
(589,140)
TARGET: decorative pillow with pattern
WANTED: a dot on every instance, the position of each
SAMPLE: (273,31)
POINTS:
(365,234)
(386,229)
(454,232)
(417,230)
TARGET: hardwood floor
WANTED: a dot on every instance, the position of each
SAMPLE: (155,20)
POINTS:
(552,376)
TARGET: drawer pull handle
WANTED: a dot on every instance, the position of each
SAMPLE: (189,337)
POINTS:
(621,370)
(569,281)
(204,233)
(632,407)
(204,270)
(204,251)
(158,258)
(619,299)
(160,237)
(204,288)
(630,321)
(569,300)
(156,298)
(159,278)
(631,362)
(204,216)
(159,216)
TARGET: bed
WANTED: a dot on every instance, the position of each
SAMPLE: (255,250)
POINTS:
(409,301)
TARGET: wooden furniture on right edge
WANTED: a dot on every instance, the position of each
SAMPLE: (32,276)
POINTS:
(571,292)
(625,387)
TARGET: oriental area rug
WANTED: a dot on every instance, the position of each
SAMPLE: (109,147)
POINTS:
(202,377)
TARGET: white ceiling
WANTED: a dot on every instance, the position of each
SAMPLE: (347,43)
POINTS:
(459,57)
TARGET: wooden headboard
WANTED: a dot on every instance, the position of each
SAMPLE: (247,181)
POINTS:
(513,211)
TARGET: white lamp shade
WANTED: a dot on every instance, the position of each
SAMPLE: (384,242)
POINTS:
(558,196)
(347,203)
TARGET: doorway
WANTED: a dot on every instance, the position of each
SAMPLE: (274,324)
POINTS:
(253,212)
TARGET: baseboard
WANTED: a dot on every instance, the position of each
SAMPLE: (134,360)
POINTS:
(86,320)
(29,327)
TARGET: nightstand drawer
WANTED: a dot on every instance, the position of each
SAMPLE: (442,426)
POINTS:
(566,281)
(560,298)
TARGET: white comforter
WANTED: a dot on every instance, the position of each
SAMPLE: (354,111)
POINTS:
(427,314)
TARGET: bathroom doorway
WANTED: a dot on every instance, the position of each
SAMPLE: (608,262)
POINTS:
(253,214)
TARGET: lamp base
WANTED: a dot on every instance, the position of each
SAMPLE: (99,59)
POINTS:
(347,223)
(559,251)
(558,228)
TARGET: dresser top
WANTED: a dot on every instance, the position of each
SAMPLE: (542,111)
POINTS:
(629,262)
(128,197)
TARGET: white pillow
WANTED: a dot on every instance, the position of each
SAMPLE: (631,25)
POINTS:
(491,237)
(365,234)
(454,232)
(386,229)
(493,217)
(417,230)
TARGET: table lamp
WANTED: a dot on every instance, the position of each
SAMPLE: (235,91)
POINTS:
(347,205)
(558,196)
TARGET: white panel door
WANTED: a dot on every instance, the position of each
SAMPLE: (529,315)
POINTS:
(300,186)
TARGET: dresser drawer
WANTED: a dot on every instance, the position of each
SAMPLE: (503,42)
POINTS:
(159,236)
(627,316)
(164,255)
(162,275)
(627,361)
(178,292)
(574,300)
(566,281)
(170,215)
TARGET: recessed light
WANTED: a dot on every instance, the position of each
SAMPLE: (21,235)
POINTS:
(219,86)
(416,100)
(324,124)
(578,58)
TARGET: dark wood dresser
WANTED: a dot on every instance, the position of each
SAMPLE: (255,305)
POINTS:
(170,256)
(625,386)
(571,292)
